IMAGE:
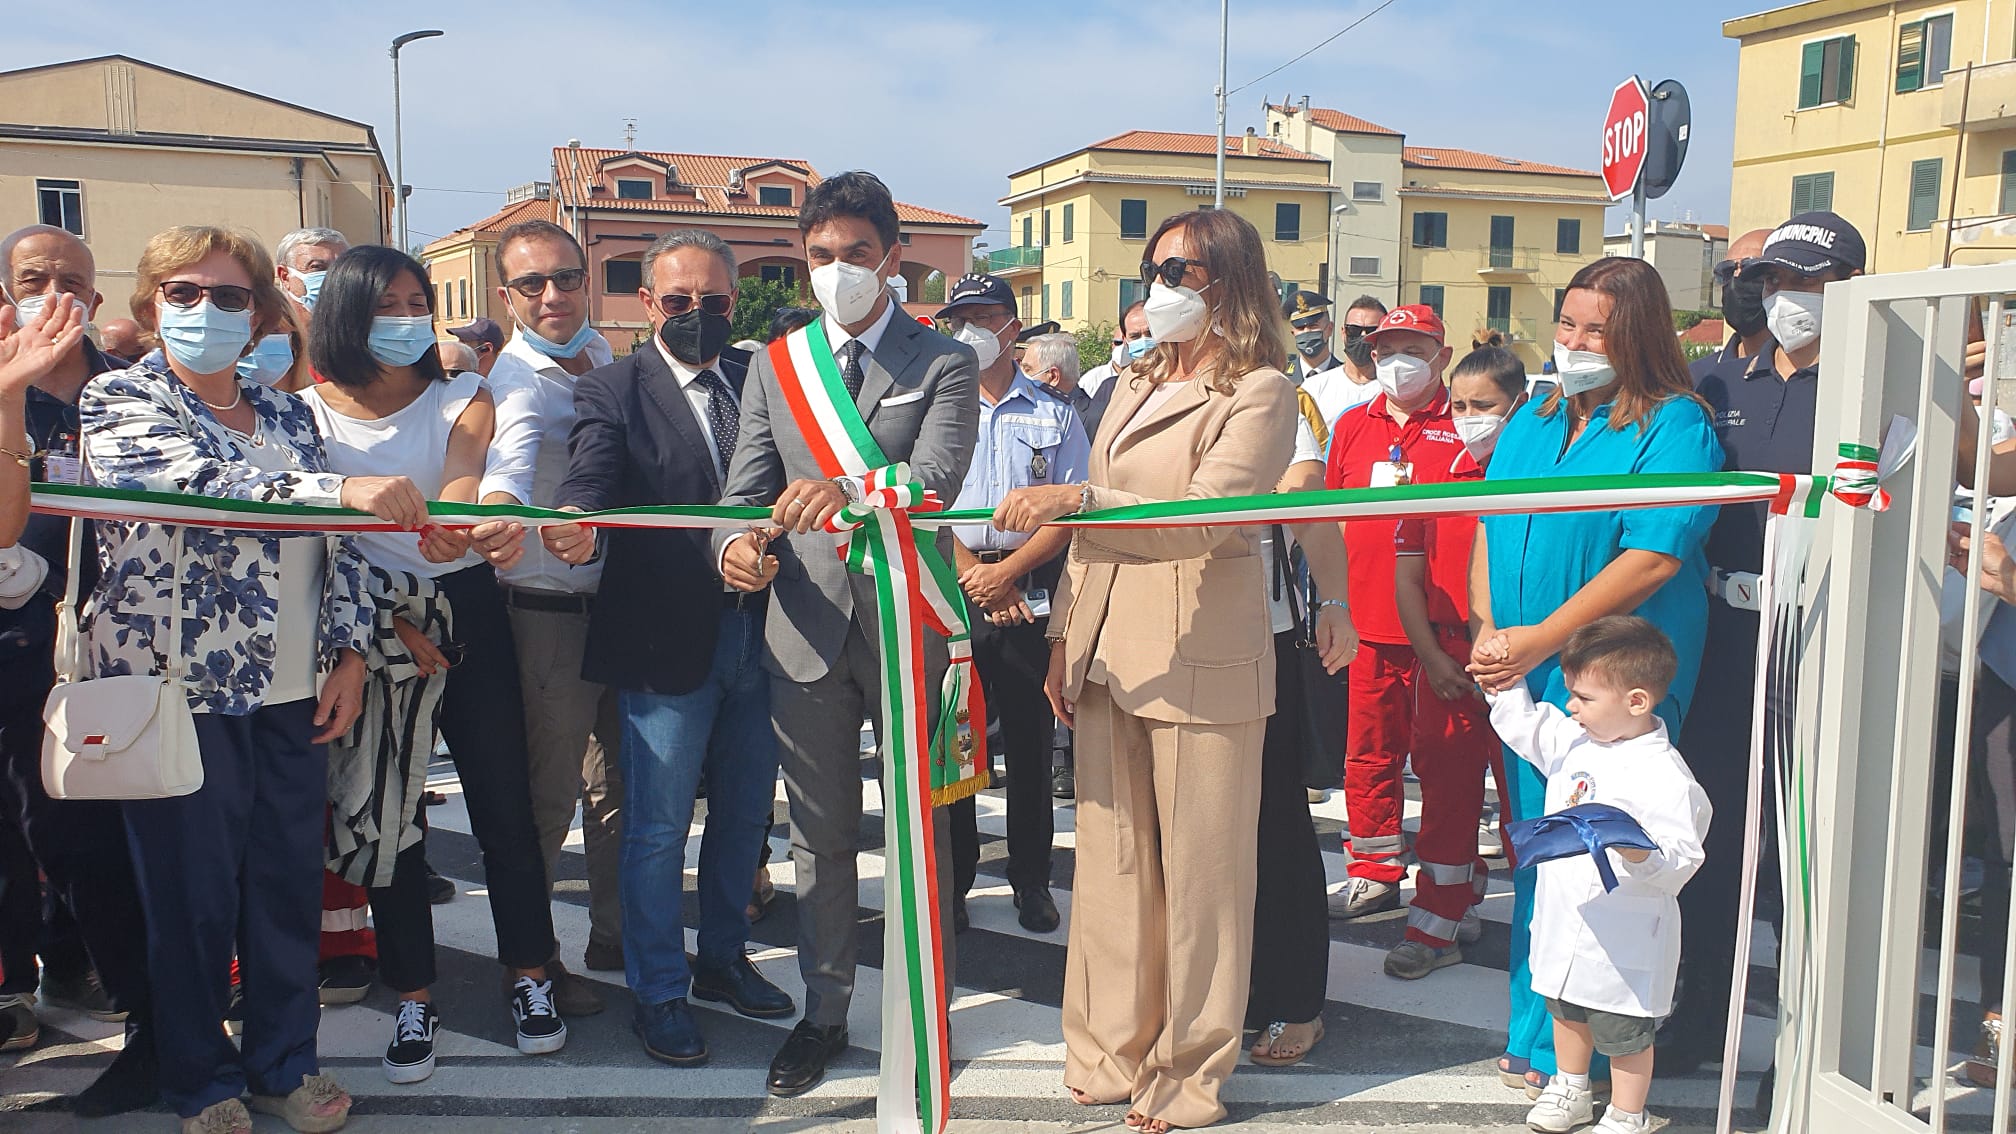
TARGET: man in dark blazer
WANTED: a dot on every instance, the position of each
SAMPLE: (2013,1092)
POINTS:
(683,651)
(918,394)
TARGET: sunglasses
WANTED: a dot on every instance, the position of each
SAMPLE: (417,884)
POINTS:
(715,303)
(534,285)
(1171,271)
(1355,331)
(1725,271)
(226,297)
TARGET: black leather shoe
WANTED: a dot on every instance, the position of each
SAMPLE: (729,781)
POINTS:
(960,922)
(670,1033)
(1063,784)
(740,985)
(801,1062)
(1039,910)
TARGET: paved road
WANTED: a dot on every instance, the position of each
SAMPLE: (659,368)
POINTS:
(1412,1057)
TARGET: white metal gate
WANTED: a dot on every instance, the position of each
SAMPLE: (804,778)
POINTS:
(1874,1004)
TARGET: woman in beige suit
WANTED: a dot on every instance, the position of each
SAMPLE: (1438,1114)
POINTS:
(1162,659)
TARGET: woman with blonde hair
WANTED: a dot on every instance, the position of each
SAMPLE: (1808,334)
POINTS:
(274,626)
(1162,659)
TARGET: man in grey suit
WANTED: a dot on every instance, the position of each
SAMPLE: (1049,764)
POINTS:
(918,393)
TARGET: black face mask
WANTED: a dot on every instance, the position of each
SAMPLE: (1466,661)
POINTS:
(1359,351)
(695,337)
(1743,306)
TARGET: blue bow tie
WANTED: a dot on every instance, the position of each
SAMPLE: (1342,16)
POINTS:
(1586,829)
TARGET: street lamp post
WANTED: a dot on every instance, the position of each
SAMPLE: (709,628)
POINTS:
(398,136)
(1224,27)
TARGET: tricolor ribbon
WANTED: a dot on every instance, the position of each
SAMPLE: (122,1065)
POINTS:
(1861,469)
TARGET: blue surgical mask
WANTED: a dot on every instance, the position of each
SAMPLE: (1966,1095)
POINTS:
(203,338)
(311,286)
(271,358)
(1138,347)
(551,349)
(400,340)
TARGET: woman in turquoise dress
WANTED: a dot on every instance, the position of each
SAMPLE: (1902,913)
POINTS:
(1626,406)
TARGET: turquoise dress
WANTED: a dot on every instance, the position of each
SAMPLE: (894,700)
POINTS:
(1538,562)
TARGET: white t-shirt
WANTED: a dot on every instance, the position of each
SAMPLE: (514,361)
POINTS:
(1278,611)
(412,443)
(304,560)
(1336,393)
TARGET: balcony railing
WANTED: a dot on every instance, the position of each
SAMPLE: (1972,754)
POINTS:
(1514,330)
(1509,261)
(1003,260)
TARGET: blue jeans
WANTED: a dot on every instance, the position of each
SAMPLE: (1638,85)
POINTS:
(723,728)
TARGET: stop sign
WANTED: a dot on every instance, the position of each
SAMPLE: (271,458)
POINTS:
(1625,128)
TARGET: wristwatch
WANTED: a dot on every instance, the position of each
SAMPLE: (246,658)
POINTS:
(850,488)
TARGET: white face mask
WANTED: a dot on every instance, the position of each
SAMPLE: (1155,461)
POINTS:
(848,291)
(986,344)
(1405,378)
(1480,432)
(1120,357)
(1176,314)
(1794,317)
(1581,371)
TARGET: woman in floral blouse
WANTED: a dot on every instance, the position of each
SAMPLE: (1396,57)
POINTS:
(273,629)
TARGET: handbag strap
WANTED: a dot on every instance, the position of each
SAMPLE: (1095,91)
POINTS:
(71,666)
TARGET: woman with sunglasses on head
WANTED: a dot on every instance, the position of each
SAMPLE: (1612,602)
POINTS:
(443,652)
(274,628)
(1170,712)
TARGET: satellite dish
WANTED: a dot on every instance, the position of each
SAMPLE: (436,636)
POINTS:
(1667,144)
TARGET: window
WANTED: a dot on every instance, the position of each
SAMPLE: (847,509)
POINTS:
(1827,72)
(1046,228)
(1070,222)
(1812,192)
(1560,297)
(1924,194)
(1367,191)
(1924,50)
(61,203)
(1130,290)
(2008,204)
(464,284)
(1364,265)
(1431,230)
(633,189)
(1027,303)
(1287,222)
(785,274)
(1045,317)
(1568,236)
(1498,309)
(1028,230)
(1064,300)
(773,195)
(1501,242)
(1133,220)
(622,277)
(1431,298)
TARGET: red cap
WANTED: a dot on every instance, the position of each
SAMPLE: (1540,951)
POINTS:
(1415,317)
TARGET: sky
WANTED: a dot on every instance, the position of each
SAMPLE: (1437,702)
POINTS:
(943,101)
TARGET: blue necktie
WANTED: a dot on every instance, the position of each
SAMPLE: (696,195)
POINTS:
(724,417)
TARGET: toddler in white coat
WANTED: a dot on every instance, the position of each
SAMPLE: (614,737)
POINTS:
(1606,960)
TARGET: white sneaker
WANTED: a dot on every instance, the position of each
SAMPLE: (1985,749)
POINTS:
(1614,1122)
(1489,845)
(1561,1108)
(1471,929)
(1362,897)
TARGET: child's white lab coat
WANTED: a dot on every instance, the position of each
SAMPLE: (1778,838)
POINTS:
(1617,951)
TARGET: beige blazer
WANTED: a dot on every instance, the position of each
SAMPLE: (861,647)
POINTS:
(1173,621)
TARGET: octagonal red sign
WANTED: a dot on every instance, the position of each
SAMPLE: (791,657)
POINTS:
(1626,127)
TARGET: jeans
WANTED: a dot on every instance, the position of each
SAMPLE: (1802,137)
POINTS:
(236,865)
(722,728)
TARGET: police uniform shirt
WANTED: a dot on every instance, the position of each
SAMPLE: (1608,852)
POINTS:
(1030,437)
(1765,424)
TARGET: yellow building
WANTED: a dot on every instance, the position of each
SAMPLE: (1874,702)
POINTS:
(1489,242)
(1857,107)
(116,149)
(463,263)
(1080,223)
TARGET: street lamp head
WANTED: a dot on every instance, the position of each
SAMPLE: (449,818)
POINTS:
(409,37)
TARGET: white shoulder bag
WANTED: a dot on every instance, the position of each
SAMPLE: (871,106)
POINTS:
(129,737)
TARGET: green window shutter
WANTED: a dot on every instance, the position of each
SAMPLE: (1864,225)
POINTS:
(1431,298)
(1802,195)
(1069,223)
(1066,297)
(1811,64)
(1924,194)
(1823,191)
(1910,57)
(1844,84)
(2008,204)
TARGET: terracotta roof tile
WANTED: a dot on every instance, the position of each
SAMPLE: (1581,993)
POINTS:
(707,175)
(1339,121)
(1163,142)
(1423,157)
(1716,231)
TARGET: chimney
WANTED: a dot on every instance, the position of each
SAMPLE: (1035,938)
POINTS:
(1305,104)
(1250,144)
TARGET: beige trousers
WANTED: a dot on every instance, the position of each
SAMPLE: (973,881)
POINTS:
(1157,975)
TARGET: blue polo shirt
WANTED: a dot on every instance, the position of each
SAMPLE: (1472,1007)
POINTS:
(1765,424)
(1030,437)
(1538,562)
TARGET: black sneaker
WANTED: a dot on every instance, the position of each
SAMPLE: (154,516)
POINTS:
(440,891)
(345,980)
(84,994)
(540,1028)
(410,1059)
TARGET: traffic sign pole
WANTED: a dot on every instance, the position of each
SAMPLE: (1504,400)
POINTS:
(1638,222)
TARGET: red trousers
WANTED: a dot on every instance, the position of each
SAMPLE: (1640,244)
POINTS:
(1395,713)
(344,933)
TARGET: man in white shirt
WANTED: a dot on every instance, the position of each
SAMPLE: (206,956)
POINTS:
(302,258)
(1348,381)
(1130,342)
(571,728)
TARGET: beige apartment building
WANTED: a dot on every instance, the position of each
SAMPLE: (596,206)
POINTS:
(116,149)
(1859,106)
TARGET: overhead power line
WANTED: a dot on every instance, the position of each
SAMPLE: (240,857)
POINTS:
(1313,50)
